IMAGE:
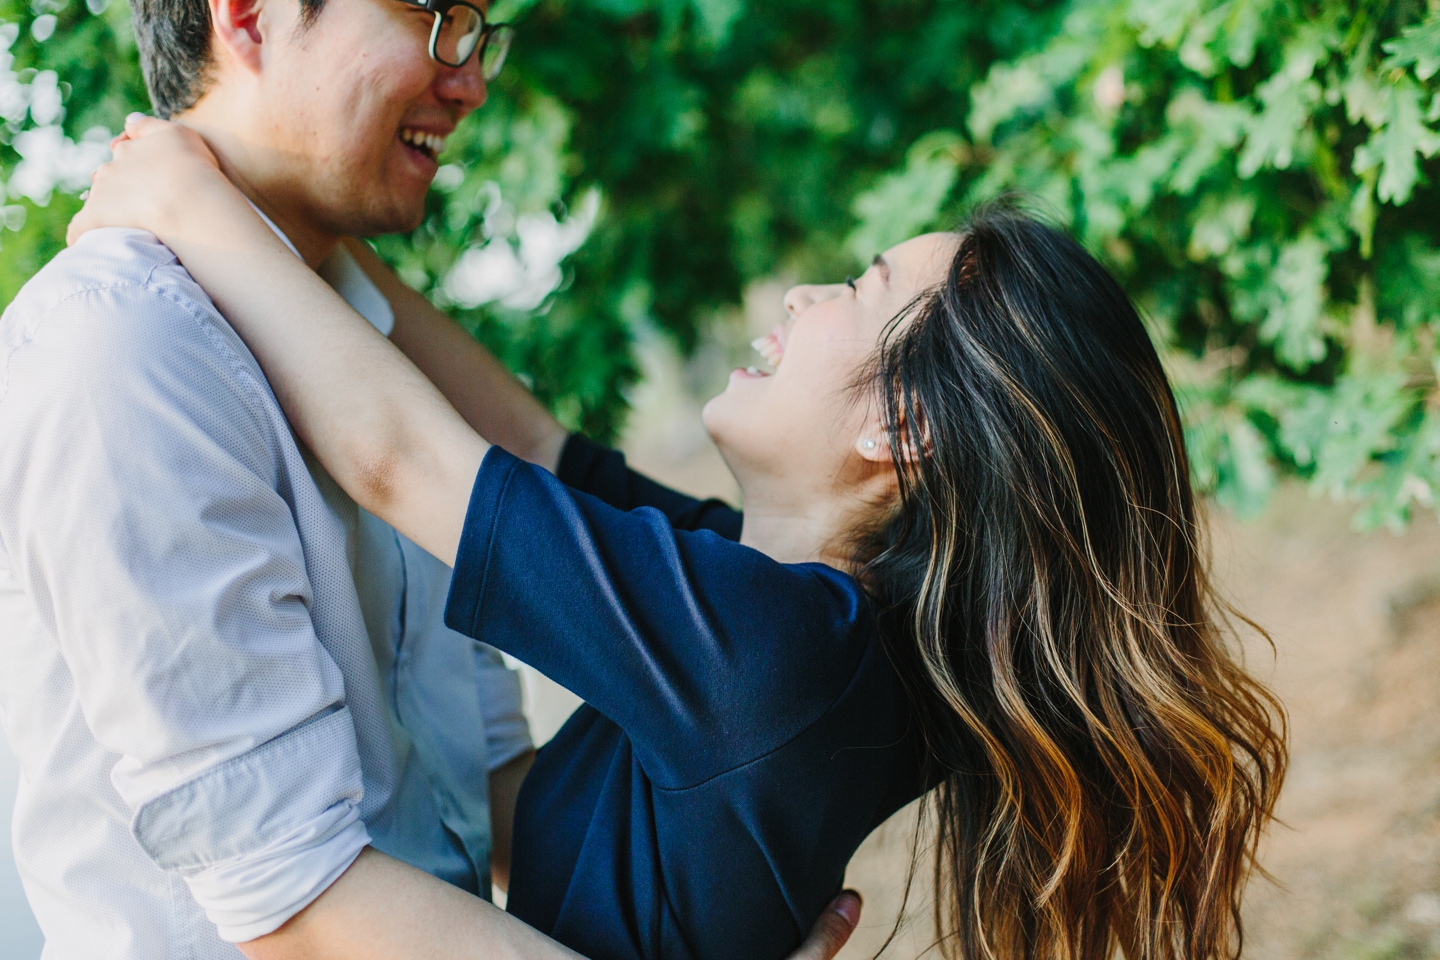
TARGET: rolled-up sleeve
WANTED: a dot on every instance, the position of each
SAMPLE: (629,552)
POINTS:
(144,511)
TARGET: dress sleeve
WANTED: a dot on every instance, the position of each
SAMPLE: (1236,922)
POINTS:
(601,472)
(140,512)
(678,636)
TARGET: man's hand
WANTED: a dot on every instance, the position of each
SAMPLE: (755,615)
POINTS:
(832,930)
(504,789)
(382,908)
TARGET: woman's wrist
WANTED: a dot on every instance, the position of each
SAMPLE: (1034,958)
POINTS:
(208,209)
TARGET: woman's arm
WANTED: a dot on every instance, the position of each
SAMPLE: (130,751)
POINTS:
(381,429)
(485,393)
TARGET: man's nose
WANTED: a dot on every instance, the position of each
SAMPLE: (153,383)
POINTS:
(806,295)
(461,87)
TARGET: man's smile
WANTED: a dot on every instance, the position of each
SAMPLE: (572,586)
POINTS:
(421,141)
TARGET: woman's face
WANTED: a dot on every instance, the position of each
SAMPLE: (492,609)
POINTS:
(801,421)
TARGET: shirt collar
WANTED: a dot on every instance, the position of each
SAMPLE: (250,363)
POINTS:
(271,224)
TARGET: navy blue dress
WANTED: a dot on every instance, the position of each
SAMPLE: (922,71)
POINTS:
(743,729)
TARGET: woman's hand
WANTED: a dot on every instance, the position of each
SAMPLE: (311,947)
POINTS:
(382,431)
(160,169)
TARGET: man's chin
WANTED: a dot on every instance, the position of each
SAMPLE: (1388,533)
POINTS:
(374,223)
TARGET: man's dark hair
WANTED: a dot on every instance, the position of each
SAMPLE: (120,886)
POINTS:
(173,37)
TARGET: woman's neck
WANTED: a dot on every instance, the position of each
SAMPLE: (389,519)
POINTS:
(786,536)
(810,527)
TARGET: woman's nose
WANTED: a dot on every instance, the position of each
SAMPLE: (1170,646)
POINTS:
(801,298)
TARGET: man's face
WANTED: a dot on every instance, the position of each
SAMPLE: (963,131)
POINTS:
(357,110)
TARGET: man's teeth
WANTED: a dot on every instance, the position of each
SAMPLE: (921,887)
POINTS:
(431,143)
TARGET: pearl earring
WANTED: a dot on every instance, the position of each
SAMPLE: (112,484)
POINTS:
(869,444)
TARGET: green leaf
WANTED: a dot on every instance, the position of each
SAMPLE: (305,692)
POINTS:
(1014,88)
(1208,131)
(1407,478)
(717,17)
(1162,21)
(1221,224)
(1418,47)
(1287,100)
(1357,422)
(1286,295)
(1393,147)
(1245,477)
(1005,92)
(1244,26)
(1365,96)
(1407,283)
(1363,213)
(901,204)
(1293,321)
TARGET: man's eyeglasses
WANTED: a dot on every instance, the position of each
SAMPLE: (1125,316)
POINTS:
(460,30)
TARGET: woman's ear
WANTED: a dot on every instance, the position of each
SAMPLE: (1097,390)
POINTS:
(874,446)
(874,442)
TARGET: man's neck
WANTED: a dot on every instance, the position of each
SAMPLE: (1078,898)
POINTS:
(312,245)
(248,169)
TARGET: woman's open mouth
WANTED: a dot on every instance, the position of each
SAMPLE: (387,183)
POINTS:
(771,347)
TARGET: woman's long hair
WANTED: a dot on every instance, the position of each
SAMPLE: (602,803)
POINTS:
(1102,765)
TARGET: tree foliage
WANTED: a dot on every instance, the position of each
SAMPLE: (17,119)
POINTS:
(1259,173)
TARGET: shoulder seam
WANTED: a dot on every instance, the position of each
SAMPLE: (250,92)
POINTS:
(235,362)
(45,316)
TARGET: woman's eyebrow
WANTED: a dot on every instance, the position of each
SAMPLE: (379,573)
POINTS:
(884,266)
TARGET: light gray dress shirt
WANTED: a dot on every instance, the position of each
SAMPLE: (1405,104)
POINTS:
(222,679)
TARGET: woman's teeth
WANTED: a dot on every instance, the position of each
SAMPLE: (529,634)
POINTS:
(771,347)
(431,143)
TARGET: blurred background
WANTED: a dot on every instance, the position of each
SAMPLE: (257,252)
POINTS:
(624,214)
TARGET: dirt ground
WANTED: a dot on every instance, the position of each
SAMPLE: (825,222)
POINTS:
(1356,624)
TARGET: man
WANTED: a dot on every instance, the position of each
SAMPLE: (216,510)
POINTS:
(241,724)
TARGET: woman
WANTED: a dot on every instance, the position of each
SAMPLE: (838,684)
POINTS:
(968,568)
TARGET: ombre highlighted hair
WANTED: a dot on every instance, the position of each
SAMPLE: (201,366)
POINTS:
(1102,765)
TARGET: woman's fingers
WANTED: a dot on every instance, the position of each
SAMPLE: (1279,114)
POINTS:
(832,930)
(155,166)
(139,124)
(159,140)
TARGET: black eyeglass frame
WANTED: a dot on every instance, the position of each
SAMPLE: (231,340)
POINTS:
(442,7)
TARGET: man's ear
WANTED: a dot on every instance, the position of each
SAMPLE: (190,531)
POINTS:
(238,30)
